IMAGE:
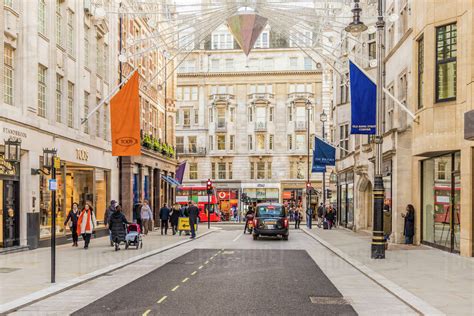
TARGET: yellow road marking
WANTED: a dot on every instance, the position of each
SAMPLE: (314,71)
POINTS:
(162,299)
(185,279)
(194,273)
(201,267)
(146,313)
(175,288)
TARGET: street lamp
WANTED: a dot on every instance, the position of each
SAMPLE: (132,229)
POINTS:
(378,240)
(12,150)
(308,192)
(323,117)
(356,26)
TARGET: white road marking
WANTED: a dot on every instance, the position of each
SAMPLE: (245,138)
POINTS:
(206,262)
(236,238)
(146,313)
(175,288)
(185,279)
(194,273)
(162,299)
(201,267)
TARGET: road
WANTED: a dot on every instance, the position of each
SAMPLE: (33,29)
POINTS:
(227,272)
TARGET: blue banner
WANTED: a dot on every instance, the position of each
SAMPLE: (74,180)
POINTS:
(363,102)
(318,168)
(324,154)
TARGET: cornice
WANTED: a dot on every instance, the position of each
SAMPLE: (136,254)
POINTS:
(250,73)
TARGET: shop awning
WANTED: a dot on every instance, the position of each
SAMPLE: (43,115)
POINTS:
(171,180)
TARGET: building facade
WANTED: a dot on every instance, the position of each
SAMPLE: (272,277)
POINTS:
(50,81)
(243,122)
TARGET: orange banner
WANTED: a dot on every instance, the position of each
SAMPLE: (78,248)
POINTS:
(125,119)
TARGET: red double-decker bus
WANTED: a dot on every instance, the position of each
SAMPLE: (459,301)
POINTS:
(198,194)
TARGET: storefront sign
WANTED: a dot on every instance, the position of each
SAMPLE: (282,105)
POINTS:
(82,154)
(53,185)
(183,224)
(181,199)
(57,162)
(14,132)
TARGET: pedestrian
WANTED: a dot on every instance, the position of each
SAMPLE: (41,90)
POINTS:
(110,210)
(147,217)
(297,218)
(409,227)
(174,218)
(117,222)
(249,216)
(136,214)
(329,217)
(72,218)
(193,215)
(320,215)
(86,224)
(165,217)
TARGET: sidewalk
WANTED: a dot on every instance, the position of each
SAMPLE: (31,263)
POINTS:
(444,280)
(27,272)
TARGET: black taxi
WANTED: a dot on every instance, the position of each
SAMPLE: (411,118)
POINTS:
(270,220)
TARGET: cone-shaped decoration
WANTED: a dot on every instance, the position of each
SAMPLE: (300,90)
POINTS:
(246,28)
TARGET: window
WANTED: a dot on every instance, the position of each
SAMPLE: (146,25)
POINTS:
(194,93)
(343,140)
(290,114)
(441,172)
(446,52)
(231,171)
(269,170)
(220,117)
(421,69)
(221,170)
(59,94)
(270,142)
(220,142)
(86,112)
(290,142)
(86,46)
(179,93)
(250,114)
(193,171)
(403,18)
(250,140)
(372,47)
(271,114)
(308,63)
(105,125)
(213,170)
(232,142)
(59,22)
(42,17)
(229,64)
(70,32)
(261,170)
(97,120)
(179,144)
(42,91)
(211,115)
(222,40)
(261,115)
(344,91)
(402,96)
(70,104)
(260,138)
(196,116)
(300,142)
(186,118)
(252,170)
(8,74)
(8,3)
(232,114)
(293,63)
(99,57)
(389,106)
(211,143)
(215,64)
(263,41)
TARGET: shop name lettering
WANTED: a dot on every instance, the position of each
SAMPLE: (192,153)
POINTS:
(6,130)
(82,154)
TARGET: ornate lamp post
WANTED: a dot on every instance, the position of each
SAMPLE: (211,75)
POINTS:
(323,117)
(308,183)
(356,26)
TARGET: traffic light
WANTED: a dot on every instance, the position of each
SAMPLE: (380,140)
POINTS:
(308,186)
(328,193)
(209,186)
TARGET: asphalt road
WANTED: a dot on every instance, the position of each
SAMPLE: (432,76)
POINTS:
(228,282)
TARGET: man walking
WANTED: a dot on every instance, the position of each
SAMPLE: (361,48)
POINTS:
(164,216)
(193,214)
(110,210)
(320,215)
(146,215)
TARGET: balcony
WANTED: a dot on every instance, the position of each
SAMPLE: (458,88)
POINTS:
(191,151)
(300,95)
(300,126)
(221,98)
(260,126)
(265,97)
(221,127)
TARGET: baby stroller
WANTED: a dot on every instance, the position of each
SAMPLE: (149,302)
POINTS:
(134,236)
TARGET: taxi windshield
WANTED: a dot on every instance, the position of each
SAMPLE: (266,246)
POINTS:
(270,211)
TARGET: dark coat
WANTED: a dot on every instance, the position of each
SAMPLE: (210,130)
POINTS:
(110,210)
(193,212)
(117,223)
(164,213)
(72,217)
(330,216)
(409,227)
(174,217)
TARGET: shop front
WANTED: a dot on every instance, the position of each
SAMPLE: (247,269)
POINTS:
(345,199)
(9,204)
(293,193)
(228,203)
(441,207)
(262,192)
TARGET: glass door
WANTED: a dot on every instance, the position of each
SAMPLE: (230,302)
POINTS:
(11,216)
(456,215)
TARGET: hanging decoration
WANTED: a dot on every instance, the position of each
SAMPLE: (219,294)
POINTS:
(246,28)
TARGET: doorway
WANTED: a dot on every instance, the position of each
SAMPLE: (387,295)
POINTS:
(9,214)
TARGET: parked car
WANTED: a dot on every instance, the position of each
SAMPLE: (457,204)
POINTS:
(270,220)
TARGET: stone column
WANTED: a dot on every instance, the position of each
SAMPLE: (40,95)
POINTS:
(127,187)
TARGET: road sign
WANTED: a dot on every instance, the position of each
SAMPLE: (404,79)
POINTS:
(183,224)
(57,162)
(53,185)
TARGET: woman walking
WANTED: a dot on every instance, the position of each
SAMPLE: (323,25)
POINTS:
(175,218)
(72,218)
(409,227)
(86,224)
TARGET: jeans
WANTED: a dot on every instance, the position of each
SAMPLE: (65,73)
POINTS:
(75,238)
(192,223)
(146,225)
(87,239)
(409,240)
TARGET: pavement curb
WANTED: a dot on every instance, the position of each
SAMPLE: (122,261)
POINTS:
(413,301)
(64,286)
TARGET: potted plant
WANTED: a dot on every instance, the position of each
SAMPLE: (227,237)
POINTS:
(156,145)
(147,143)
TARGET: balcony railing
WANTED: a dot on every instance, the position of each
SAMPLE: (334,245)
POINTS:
(260,126)
(221,127)
(261,96)
(300,95)
(300,125)
(223,97)
(192,151)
